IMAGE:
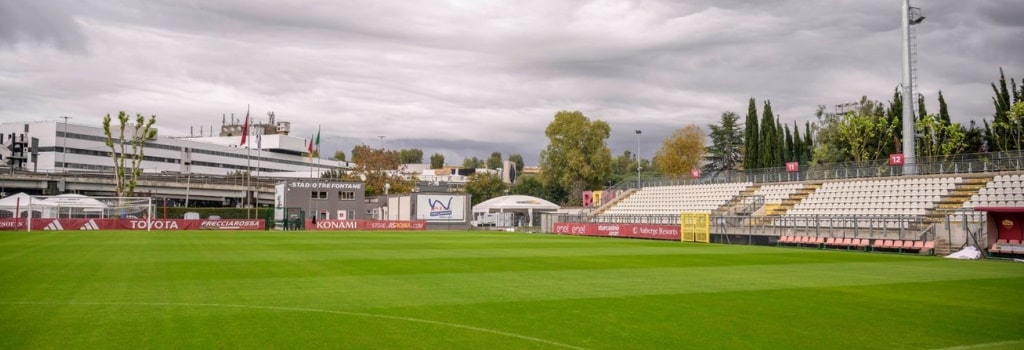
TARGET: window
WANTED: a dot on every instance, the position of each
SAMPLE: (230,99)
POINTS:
(318,195)
(346,196)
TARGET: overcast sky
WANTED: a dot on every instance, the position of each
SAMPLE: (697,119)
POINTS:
(468,77)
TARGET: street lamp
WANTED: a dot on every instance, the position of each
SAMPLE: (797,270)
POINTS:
(638,132)
(64,148)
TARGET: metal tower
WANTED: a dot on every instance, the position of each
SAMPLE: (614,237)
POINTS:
(911,16)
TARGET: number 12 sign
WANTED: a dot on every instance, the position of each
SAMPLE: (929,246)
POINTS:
(896,159)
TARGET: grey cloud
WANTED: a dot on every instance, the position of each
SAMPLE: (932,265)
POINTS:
(483,76)
(40,22)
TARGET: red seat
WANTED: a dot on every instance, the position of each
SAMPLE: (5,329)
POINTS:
(1014,241)
(885,244)
(930,247)
(847,242)
(862,243)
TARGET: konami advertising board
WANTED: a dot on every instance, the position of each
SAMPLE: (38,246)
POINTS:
(664,232)
(369,225)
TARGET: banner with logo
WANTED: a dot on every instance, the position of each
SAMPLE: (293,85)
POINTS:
(441,208)
(664,232)
(129,224)
(369,225)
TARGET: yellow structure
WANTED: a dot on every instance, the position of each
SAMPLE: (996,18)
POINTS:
(695,227)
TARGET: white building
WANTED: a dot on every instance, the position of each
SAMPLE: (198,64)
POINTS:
(70,147)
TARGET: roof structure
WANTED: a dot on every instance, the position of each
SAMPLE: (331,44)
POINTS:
(514,203)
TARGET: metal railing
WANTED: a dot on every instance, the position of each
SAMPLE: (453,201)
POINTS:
(940,165)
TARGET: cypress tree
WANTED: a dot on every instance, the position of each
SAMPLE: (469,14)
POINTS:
(768,137)
(921,109)
(780,148)
(751,152)
(798,144)
(808,143)
(790,147)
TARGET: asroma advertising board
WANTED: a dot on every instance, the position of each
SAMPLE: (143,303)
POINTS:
(664,232)
(129,224)
(369,225)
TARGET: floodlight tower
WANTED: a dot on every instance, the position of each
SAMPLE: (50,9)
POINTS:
(911,16)
(639,184)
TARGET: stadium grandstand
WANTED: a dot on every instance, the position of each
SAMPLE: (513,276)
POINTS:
(875,208)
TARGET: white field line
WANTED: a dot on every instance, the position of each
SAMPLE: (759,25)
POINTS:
(985,345)
(300,309)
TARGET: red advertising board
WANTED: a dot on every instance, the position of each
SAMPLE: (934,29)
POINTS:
(695,173)
(665,232)
(792,167)
(128,224)
(371,225)
(11,224)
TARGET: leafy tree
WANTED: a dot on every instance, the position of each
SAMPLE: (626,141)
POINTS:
(938,137)
(974,138)
(339,156)
(494,161)
(484,186)
(863,135)
(829,147)
(529,185)
(437,161)
(532,185)
(751,151)
(1008,132)
(623,167)
(472,163)
(126,175)
(357,151)
(998,135)
(623,163)
(411,156)
(725,152)
(517,159)
(681,152)
(332,174)
(377,167)
(577,156)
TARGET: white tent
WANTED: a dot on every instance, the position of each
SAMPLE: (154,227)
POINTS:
(18,202)
(72,205)
(514,204)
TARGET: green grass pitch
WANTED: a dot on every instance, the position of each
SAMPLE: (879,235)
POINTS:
(476,290)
